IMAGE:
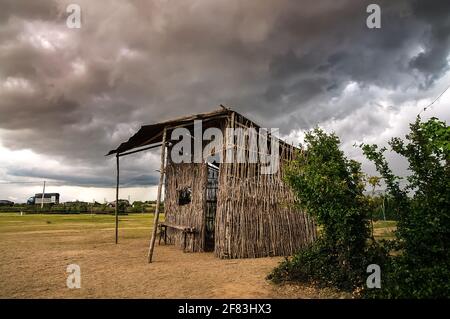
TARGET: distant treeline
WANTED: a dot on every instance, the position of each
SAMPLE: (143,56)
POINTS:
(82,208)
(382,208)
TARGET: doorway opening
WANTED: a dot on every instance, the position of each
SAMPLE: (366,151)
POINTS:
(211,206)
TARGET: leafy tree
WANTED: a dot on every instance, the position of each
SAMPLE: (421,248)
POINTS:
(330,188)
(374,181)
(422,267)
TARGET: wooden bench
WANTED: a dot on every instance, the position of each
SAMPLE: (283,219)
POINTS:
(185,229)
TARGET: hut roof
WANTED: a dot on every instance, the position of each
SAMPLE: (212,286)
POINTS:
(152,134)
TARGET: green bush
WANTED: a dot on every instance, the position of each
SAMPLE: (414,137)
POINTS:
(330,188)
(422,267)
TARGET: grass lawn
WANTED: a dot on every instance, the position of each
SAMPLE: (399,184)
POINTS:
(130,226)
(384,229)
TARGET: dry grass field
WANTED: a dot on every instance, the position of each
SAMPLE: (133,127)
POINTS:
(36,249)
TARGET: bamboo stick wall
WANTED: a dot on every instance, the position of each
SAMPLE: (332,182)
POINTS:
(256,214)
(179,176)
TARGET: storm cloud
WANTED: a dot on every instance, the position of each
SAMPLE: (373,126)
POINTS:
(73,94)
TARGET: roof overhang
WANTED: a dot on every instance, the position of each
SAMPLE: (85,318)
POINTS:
(152,134)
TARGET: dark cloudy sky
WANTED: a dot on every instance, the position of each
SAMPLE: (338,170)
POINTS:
(67,96)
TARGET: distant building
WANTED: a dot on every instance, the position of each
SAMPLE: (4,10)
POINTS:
(5,202)
(124,202)
(49,198)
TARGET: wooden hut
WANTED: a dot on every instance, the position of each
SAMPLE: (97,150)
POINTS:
(228,207)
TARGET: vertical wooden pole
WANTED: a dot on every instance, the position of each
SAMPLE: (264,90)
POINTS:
(117,199)
(43,196)
(232,167)
(158,198)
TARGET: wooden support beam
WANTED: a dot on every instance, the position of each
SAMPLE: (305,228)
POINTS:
(140,150)
(43,196)
(158,198)
(117,200)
